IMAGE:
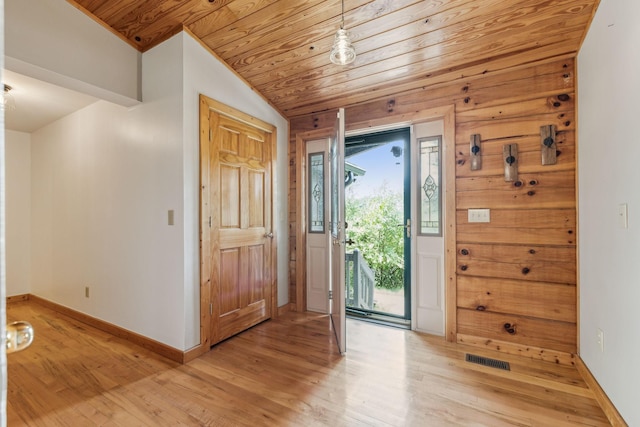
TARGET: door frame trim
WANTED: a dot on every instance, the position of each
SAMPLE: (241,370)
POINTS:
(301,214)
(445,113)
(206,105)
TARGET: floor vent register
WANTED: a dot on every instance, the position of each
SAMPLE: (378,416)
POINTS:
(485,361)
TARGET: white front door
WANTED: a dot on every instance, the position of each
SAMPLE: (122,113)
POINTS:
(337,283)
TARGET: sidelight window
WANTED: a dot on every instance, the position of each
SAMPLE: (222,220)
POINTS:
(316,193)
(429,186)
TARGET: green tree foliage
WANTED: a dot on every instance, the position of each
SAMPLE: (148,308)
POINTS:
(373,225)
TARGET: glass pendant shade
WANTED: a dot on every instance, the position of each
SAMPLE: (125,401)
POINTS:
(342,52)
(8,103)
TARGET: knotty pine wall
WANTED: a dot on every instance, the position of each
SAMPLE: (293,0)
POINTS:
(520,269)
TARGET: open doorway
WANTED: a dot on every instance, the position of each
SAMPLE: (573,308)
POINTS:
(378,226)
(433,246)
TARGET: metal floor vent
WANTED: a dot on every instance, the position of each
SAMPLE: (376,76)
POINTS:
(485,361)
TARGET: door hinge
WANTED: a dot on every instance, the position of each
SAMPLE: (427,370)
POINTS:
(210,134)
(211,308)
(330,294)
(209,222)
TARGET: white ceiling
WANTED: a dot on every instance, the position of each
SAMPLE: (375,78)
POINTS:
(39,103)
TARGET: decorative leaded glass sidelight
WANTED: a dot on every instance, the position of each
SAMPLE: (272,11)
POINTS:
(316,193)
(429,200)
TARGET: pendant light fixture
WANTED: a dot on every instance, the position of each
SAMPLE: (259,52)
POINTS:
(8,103)
(342,52)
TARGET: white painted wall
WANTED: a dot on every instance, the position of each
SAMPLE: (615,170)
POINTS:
(204,74)
(104,178)
(53,41)
(609,87)
(18,212)
(102,182)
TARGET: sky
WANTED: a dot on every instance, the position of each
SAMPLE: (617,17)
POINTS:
(381,166)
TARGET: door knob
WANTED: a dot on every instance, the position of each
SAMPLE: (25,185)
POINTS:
(19,336)
(407,227)
(350,241)
(269,235)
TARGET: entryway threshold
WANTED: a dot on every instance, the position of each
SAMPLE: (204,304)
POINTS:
(379,319)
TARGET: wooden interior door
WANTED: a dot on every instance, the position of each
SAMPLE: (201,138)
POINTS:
(240,225)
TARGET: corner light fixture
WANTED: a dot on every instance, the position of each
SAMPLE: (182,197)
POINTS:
(342,52)
(8,103)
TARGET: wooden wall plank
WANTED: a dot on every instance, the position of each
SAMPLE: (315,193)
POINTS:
(542,105)
(518,253)
(531,271)
(533,227)
(548,180)
(518,198)
(524,350)
(532,299)
(548,334)
(551,264)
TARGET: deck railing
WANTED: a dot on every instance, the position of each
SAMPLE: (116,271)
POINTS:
(360,281)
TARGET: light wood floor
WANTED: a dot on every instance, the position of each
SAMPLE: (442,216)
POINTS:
(284,372)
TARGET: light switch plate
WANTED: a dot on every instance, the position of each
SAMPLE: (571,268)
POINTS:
(623,213)
(478,215)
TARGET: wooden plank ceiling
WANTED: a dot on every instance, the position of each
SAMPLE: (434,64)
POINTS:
(282,47)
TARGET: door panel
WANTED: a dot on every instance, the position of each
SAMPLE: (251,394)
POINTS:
(256,199)
(337,284)
(318,246)
(429,248)
(229,299)
(230,190)
(240,165)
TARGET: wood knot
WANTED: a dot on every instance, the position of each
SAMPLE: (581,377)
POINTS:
(511,329)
